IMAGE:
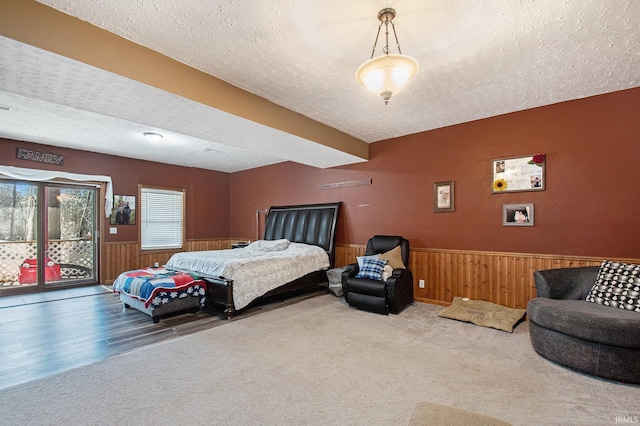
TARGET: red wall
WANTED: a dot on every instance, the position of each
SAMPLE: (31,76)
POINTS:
(588,208)
(207,192)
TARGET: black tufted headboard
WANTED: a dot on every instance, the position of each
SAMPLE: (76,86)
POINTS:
(310,224)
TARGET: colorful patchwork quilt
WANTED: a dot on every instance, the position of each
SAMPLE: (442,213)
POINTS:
(157,286)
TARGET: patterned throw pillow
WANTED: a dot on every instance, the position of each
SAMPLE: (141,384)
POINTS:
(372,269)
(618,285)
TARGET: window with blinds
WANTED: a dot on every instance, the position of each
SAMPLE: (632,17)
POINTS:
(161,223)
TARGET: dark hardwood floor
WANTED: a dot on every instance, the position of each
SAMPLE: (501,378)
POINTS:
(46,337)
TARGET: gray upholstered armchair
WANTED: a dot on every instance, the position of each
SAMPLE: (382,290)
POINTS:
(589,337)
(364,286)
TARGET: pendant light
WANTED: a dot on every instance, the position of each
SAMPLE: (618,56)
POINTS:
(389,73)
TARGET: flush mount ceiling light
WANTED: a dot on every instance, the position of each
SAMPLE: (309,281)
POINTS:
(153,137)
(389,73)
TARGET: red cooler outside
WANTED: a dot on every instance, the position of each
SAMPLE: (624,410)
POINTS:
(29,271)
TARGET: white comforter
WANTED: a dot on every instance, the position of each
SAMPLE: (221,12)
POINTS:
(255,269)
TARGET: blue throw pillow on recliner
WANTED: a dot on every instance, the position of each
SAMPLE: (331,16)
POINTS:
(372,269)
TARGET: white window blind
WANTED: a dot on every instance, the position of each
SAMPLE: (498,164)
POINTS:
(161,218)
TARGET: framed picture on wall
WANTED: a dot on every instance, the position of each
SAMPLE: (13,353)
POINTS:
(444,196)
(525,173)
(517,214)
(124,210)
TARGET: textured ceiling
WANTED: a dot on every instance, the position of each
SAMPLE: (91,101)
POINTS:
(478,58)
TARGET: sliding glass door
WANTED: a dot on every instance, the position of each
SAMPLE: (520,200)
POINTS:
(47,236)
(18,234)
(68,241)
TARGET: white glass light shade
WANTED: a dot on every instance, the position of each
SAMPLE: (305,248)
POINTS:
(386,74)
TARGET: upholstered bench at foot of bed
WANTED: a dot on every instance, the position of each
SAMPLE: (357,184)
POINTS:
(186,304)
(159,292)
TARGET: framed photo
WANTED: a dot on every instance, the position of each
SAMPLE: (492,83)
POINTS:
(525,173)
(444,196)
(124,210)
(517,214)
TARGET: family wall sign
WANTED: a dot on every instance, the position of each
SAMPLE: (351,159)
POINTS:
(39,156)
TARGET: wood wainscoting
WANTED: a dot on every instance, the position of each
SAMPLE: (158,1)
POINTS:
(502,278)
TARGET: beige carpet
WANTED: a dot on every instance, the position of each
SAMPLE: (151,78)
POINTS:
(319,362)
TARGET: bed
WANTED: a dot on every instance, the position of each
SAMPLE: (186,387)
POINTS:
(159,292)
(294,235)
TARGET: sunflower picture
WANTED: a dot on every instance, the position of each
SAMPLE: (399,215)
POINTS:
(499,185)
(526,173)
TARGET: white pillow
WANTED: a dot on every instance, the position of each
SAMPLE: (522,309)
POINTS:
(362,258)
(268,245)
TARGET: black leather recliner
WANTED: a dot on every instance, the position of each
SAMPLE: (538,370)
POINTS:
(392,295)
